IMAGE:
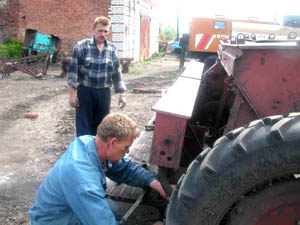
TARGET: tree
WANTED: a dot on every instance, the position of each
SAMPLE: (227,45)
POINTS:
(169,33)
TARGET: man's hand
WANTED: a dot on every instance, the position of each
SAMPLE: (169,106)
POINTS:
(122,101)
(156,185)
(158,223)
(73,100)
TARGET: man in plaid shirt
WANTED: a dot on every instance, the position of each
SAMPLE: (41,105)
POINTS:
(94,68)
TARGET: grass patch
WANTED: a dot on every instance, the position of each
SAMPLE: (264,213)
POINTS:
(173,74)
(146,62)
(11,49)
(134,70)
(158,55)
(20,77)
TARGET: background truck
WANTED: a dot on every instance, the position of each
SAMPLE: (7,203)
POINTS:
(230,138)
(287,29)
(205,33)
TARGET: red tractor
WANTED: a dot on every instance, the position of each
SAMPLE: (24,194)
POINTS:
(232,137)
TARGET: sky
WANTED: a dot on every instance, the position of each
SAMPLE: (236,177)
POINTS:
(187,9)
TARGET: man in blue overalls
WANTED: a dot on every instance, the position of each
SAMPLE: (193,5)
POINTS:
(74,190)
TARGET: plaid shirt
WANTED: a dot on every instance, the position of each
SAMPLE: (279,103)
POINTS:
(92,68)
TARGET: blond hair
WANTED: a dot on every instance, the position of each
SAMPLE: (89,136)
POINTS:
(101,20)
(117,125)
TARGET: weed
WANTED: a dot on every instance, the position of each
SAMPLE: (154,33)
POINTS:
(11,49)
(134,70)
(158,55)
(146,62)
(172,73)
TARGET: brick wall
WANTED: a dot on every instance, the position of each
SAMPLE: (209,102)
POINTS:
(9,19)
(70,20)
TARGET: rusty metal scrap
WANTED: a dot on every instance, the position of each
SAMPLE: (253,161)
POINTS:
(144,90)
(8,66)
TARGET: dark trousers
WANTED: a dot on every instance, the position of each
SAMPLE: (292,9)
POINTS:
(94,105)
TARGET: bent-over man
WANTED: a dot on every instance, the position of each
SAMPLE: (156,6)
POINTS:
(74,190)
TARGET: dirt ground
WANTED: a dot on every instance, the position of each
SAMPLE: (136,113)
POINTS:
(29,147)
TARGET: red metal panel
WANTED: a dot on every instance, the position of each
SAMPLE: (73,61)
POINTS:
(241,113)
(270,78)
(167,140)
(228,55)
(266,77)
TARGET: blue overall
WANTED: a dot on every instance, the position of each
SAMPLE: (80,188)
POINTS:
(74,190)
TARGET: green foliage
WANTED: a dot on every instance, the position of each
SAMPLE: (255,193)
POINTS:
(145,62)
(134,70)
(11,49)
(158,55)
(169,33)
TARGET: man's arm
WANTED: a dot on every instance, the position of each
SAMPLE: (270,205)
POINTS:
(122,100)
(73,77)
(73,100)
(117,79)
(125,171)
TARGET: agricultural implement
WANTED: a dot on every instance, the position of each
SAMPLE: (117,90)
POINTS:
(232,135)
(36,47)
(229,138)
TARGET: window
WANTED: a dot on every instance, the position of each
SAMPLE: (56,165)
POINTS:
(220,25)
(291,21)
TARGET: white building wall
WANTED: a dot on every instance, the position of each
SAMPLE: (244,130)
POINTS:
(116,15)
(133,37)
(125,17)
(129,9)
(154,33)
(137,37)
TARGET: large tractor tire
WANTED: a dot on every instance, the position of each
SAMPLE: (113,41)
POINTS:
(247,160)
(277,204)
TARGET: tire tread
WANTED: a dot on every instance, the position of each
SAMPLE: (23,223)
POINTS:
(239,161)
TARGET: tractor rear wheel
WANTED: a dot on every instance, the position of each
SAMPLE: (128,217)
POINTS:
(277,204)
(244,160)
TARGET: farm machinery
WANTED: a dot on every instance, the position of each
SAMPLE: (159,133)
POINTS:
(36,47)
(230,138)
